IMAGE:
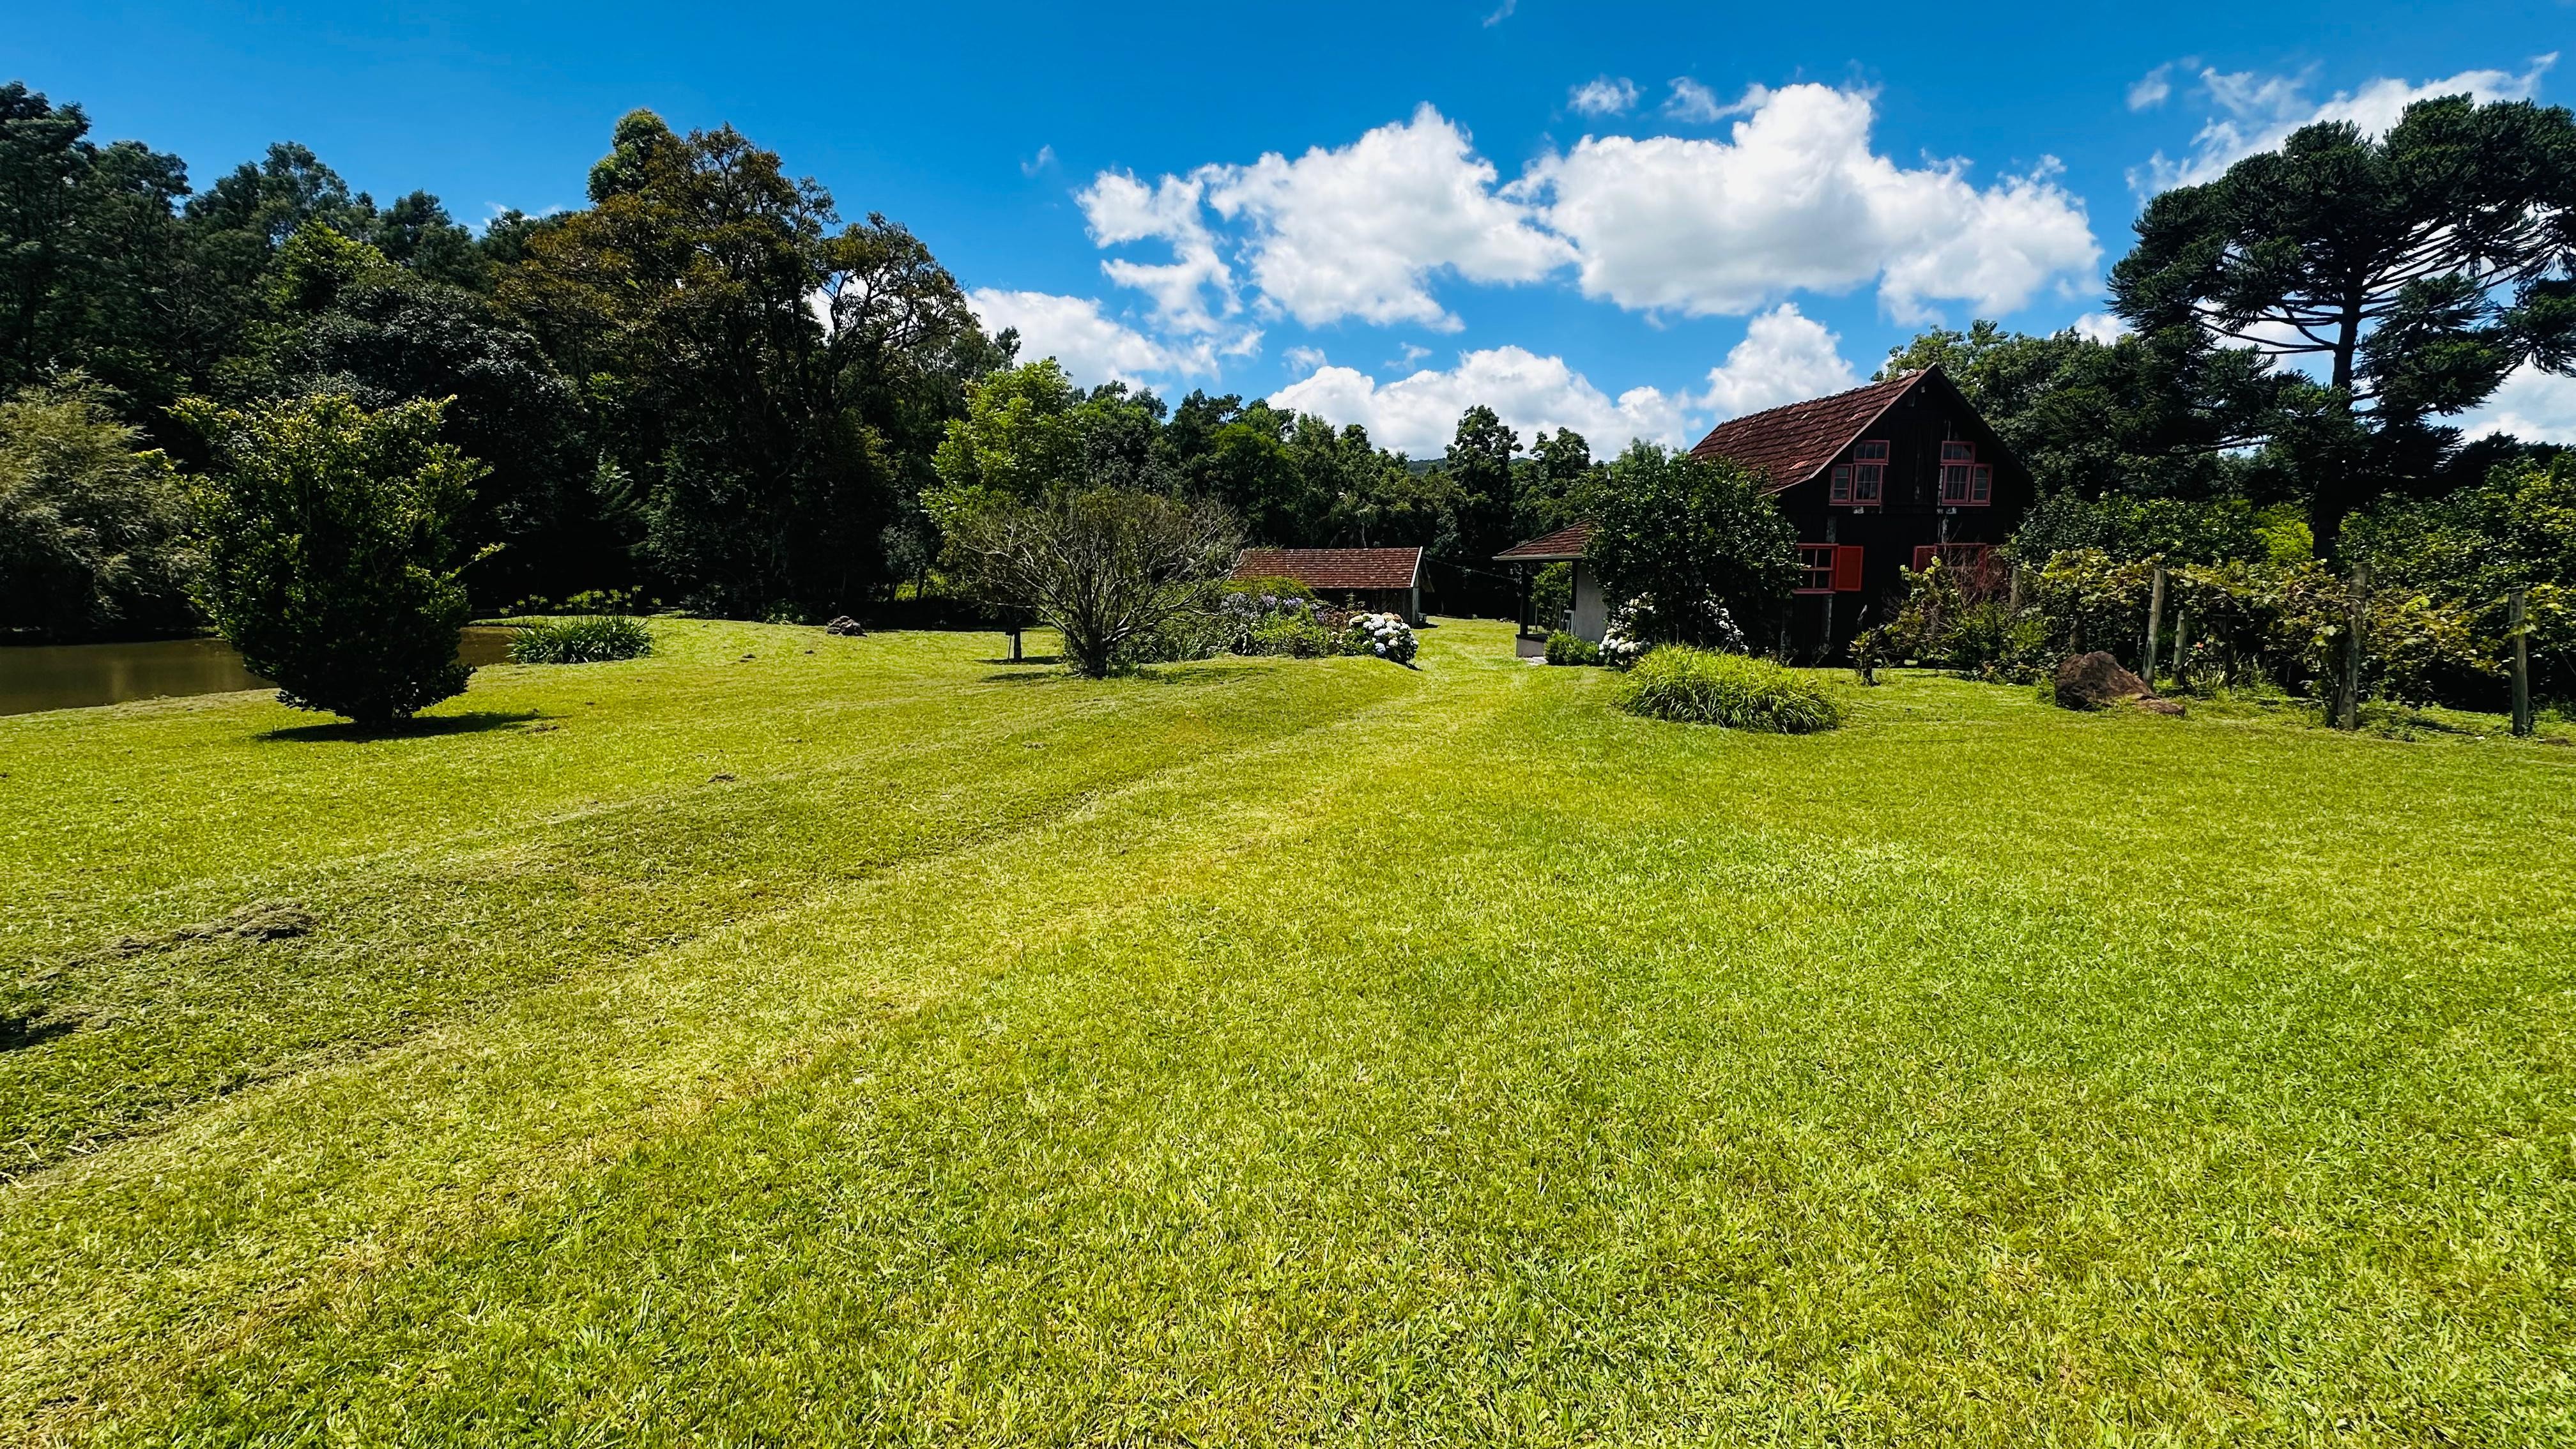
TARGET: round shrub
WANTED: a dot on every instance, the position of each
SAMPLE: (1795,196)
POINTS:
(1386,636)
(333,549)
(593,640)
(1564,648)
(1696,686)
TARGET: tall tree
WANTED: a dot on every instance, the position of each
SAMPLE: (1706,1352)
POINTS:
(1549,480)
(88,254)
(2415,270)
(345,318)
(760,371)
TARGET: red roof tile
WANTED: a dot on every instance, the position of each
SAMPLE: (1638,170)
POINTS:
(1789,444)
(1565,543)
(1334,568)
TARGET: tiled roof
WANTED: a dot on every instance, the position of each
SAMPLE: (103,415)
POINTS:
(1333,568)
(1566,542)
(1789,444)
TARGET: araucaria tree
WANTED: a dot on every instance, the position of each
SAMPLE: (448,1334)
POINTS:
(1692,544)
(2416,269)
(332,550)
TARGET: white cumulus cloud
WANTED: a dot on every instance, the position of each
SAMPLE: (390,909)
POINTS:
(1418,414)
(1603,96)
(1358,230)
(1093,347)
(1785,357)
(2256,112)
(2535,406)
(2100,327)
(1797,200)
(1120,209)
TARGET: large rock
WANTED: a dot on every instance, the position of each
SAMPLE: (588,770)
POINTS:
(846,627)
(2096,681)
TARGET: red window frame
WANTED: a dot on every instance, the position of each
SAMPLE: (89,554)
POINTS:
(1868,473)
(1830,568)
(1965,482)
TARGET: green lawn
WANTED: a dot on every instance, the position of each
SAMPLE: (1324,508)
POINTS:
(788,1039)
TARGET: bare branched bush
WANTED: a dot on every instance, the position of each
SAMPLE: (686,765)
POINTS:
(1104,567)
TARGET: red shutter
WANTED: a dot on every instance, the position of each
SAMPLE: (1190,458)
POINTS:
(1847,568)
(1923,556)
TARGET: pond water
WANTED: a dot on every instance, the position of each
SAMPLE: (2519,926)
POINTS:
(74,676)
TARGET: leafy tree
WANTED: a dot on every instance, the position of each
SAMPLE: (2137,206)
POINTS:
(89,254)
(2416,269)
(1479,462)
(1682,538)
(1022,435)
(347,319)
(771,441)
(93,530)
(1559,465)
(332,550)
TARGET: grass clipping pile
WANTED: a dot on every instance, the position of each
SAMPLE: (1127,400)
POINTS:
(1697,686)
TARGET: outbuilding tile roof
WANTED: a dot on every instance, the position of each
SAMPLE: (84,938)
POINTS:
(1789,444)
(1334,568)
(1565,543)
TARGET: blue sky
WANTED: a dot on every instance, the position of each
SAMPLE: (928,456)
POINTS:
(1631,219)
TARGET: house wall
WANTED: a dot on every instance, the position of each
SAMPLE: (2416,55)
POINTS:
(1911,516)
(1591,611)
(1405,604)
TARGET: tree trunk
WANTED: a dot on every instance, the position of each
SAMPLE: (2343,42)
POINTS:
(2331,500)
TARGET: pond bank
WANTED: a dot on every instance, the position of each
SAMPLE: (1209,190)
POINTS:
(76,676)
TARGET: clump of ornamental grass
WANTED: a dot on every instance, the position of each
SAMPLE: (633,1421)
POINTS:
(1698,686)
(590,639)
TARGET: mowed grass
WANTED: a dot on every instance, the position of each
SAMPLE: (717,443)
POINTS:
(1280,1051)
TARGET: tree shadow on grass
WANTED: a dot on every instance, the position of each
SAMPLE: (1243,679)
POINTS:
(472,722)
(20,1032)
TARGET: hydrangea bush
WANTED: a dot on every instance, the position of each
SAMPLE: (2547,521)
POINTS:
(1621,646)
(1385,635)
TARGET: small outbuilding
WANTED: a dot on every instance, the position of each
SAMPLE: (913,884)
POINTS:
(1589,615)
(1381,580)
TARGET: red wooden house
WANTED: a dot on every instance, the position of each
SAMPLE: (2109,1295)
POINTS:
(1879,479)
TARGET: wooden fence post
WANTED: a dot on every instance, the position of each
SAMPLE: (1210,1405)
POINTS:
(2514,614)
(2182,648)
(2014,608)
(2353,627)
(2155,614)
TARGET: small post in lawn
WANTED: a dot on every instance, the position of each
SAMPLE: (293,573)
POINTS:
(2155,613)
(2359,610)
(2517,603)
